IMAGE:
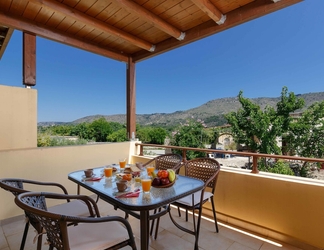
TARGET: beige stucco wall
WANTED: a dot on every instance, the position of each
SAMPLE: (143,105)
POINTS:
(280,207)
(18,112)
(53,164)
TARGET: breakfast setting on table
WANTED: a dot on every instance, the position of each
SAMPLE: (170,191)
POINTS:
(129,180)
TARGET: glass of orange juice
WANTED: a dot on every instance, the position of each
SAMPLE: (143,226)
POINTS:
(108,172)
(149,170)
(146,185)
(122,163)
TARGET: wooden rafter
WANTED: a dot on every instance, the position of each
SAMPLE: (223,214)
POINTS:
(5,40)
(152,19)
(79,16)
(23,24)
(210,9)
(244,14)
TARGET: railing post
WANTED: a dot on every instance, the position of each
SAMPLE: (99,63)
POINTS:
(141,150)
(255,165)
(184,155)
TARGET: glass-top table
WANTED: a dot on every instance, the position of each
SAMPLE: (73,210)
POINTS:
(158,197)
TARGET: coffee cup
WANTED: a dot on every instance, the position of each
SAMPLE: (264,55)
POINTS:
(88,172)
(121,185)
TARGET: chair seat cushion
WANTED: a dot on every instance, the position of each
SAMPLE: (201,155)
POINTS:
(86,236)
(188,199)
(73,208)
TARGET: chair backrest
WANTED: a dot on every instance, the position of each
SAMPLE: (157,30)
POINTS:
(16,186)
(55,225)
(205,169)
(166,161)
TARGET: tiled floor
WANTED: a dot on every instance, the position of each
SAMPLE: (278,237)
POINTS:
(169,237)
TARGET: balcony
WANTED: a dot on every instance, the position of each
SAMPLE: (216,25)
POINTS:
(286,210)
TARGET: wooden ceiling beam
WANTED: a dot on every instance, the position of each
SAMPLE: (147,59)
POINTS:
(152,19)
(27,25)
(5,41)
(255,9)
(88,20)
(210,9)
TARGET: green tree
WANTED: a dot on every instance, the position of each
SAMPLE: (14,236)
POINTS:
(306,134)
(154,135)
(83,131)
(101,129)
(116,126)
(118,136)
(190,134)
(158,135)
(258,129)
(144,134)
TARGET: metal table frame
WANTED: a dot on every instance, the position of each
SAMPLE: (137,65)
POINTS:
(158,197)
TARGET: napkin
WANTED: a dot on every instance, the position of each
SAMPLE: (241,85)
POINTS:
(133,194)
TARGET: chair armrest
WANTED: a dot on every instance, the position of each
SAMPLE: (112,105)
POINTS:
(91,204)
(146,163)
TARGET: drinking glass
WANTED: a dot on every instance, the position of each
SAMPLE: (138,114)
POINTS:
(149,170)
(146,185)
(108,172)
(122,163)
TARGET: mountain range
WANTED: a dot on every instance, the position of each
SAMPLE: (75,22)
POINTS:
(212,112)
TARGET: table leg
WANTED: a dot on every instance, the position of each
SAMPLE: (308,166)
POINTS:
(144,221)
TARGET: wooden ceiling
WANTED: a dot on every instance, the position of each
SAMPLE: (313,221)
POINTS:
(122,29)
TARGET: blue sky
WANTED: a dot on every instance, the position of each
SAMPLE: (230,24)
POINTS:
(285,48)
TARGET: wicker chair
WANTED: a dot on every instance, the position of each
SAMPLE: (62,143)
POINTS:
(207,170)
(166,161)
(18,186)
(94,232)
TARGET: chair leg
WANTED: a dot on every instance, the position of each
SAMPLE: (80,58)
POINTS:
(179,212)
(23,240)
(187,214)
(157,225)
(214,212)
(152,225)
(197,229)
(39,242)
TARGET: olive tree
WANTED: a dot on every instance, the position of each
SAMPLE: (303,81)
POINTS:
(259,129)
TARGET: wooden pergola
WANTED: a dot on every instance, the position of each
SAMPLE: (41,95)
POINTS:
(125,30)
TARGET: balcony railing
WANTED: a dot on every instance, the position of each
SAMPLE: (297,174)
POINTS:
(255,156)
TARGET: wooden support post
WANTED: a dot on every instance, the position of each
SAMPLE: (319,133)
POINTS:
(29,59)
(131,100)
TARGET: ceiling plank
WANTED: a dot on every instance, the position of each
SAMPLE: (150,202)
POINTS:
(241,15)
(152,19)
(88,20)
(210,9)
(26,25)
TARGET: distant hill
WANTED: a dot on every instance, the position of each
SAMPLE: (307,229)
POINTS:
(211,112)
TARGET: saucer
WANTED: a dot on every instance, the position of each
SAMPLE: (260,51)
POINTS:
(115,190)
(86,178)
